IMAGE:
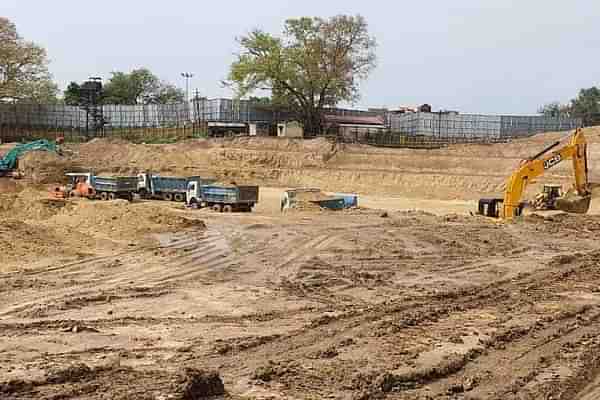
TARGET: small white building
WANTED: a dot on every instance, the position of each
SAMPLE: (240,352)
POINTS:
(292,129)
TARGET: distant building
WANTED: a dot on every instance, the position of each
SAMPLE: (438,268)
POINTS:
(354,127)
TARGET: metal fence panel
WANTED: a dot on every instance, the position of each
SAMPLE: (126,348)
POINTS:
(472,126)
(162,122)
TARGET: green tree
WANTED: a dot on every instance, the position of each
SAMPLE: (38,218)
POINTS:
(265,101)
(24,75)
(168,94)
(315,63)
(555,109)
(140,86)
(587,105)
(72,95)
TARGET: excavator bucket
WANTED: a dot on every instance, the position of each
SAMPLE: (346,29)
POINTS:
(574,203)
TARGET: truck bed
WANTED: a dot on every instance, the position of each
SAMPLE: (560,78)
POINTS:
(117,184)
(230,194)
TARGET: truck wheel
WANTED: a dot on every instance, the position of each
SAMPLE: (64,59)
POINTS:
(227,209)
(168,197)
(104,196)
(179,197)
(217,208)
(112,196)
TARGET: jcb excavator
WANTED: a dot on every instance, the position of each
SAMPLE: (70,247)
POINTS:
(576,200)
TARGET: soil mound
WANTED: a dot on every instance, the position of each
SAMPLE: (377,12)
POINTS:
(73,373)
(8,185)
(458,172)
(42,167)
(22,242)
(193,384)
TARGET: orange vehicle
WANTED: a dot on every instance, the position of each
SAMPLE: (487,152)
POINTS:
(78,187)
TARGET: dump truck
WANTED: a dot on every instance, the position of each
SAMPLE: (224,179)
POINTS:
(115,187)
(99,187)
(222,198)
(169,188)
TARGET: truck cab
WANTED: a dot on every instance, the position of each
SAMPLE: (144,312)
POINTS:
(193,196)
(144,183)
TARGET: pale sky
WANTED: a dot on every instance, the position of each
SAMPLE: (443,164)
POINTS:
(488,56)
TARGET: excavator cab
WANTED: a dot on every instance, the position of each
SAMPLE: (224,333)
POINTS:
(546,200)
(553,191)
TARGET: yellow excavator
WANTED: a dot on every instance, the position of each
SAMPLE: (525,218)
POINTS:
(576,200)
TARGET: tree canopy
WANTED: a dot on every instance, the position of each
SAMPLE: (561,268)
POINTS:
(585,106)
(72,94)
(24,75)
(555,109)
(315,63)
(140,86)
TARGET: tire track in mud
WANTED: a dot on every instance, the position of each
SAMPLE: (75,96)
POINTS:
(289,265)
(500,296)
(92,276)
(153,276)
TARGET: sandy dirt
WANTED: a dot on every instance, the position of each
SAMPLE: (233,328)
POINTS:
(407,297)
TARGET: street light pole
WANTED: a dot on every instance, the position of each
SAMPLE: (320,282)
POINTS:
(187,76)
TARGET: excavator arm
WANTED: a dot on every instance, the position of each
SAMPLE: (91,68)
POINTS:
(9,161)
(575,150)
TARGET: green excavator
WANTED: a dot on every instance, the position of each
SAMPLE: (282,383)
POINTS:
(8,163)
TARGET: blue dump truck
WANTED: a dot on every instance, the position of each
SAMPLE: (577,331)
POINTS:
(222,198)
(114,187)
(167,188)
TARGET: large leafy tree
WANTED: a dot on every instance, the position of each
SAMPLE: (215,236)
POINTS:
(587,105)
(24,75)
(140,86)
(72,95)
(314,64)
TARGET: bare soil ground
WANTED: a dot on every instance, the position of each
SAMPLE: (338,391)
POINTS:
(117,300)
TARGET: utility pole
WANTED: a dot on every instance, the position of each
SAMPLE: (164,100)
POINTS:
(187,76)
